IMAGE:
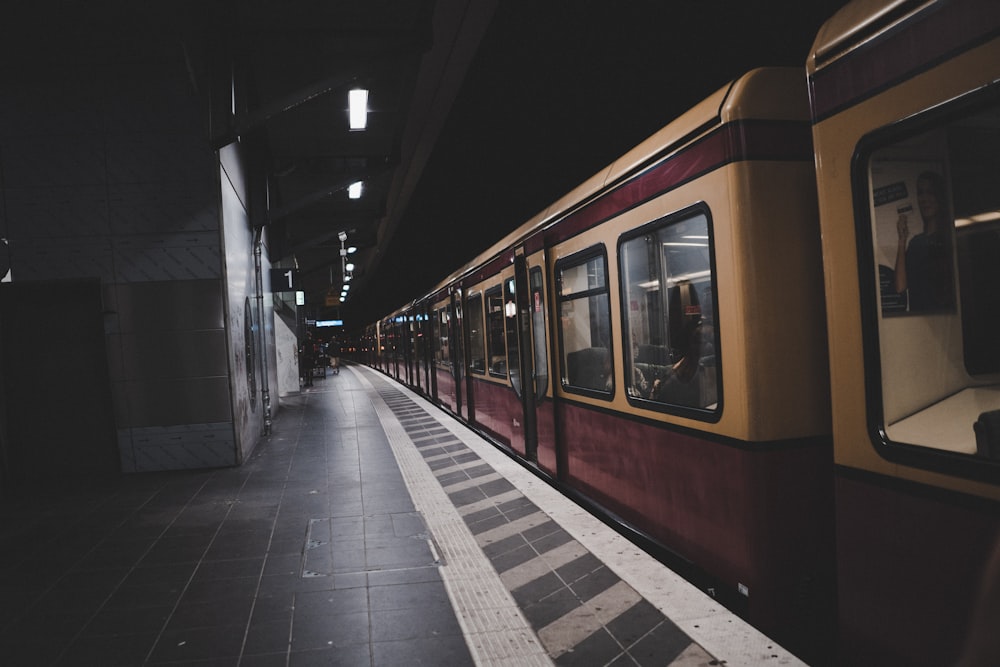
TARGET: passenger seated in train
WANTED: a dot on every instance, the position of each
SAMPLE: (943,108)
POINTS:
(683,373)
(679,382)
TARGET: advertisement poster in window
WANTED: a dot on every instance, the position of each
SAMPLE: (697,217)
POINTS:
(914,232)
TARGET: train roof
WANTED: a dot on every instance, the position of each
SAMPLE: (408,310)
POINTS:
(770,93)
(855,23)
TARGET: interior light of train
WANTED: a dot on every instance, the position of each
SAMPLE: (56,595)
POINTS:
(357,101)
(989,216)
(685,245)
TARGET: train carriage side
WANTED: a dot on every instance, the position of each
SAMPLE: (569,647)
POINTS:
(691,388)
(906,122)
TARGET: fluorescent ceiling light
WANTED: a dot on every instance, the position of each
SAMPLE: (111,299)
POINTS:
(357,101)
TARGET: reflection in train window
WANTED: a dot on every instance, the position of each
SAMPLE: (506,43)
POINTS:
(511,323)
(477,345)
(442,347)
(667,285)
(495,349)
(933,200)
(585,323)
(541,364)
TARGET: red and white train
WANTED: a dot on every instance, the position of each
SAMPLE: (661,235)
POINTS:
(766,341)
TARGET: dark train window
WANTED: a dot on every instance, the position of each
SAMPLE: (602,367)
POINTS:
(932,203)
(541,364)
(496,351)
(442,340)
(667,288)
(585,323)
(513,337)
(477,343)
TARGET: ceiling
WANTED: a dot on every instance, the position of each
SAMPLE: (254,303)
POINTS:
(289,64)
(298,62)
(481,112)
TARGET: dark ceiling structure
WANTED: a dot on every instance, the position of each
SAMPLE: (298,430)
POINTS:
(480,112)
(298,62)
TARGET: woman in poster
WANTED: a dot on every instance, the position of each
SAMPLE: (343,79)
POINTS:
(924,266)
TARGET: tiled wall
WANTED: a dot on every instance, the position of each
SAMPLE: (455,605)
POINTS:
(108,172)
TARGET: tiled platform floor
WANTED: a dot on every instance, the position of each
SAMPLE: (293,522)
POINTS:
(366,530)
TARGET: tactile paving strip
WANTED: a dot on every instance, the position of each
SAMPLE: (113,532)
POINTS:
(549,585)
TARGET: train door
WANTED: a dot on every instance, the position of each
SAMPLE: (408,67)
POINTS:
(428,327)
(406,349)
(416,349)
(527,356)
(543,418)
(457,350)
(464,323)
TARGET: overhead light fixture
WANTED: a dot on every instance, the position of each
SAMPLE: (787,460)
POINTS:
(352,249)
(354,190)
(357,102)
(350,266)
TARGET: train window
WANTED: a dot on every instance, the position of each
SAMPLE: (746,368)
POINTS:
(442,347)
(585,323)
(457,349)
(513,337)
(538,331)
(933,208)
(667,286)
(477,344)
(495,350)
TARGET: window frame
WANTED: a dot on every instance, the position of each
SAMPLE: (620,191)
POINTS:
(701,414)
(474,313)
(925,457)
(581,258)
(489,293)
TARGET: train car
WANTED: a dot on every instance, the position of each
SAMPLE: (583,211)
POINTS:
(763,341)
(654,343)
(905,99)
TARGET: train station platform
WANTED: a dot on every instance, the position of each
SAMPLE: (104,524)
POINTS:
(369,528)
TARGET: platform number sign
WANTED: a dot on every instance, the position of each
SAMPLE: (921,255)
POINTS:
(284,280)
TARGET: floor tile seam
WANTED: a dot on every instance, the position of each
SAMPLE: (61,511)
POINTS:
(457,467)
(518,526)
(431,499)
(566,632)
(542,564)
(489,502)
(710,625)
(470,483)
(442,456)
